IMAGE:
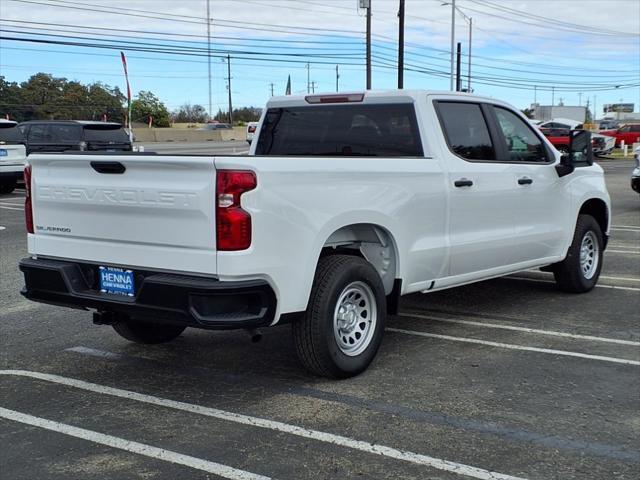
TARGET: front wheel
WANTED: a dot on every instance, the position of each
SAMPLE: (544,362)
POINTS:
(341,331)
(147,332)
(580,270)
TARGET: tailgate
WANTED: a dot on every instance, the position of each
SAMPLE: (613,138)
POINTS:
(12,155)
(135,210)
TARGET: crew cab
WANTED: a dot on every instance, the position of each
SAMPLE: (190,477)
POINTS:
(345,203)
(13,156)
(560,138)
(629,134)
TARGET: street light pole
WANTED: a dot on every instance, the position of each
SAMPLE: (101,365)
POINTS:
(209,52)
(401,45)
(229,85)
(469,57)
(453,36)
(368,3)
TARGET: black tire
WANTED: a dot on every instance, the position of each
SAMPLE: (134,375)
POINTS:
(147,332)
(569,274)
(8,187)
(315,341)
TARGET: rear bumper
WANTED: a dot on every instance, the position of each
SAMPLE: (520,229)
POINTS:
(160,297)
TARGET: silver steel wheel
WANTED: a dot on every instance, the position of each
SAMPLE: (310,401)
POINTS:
(589,255)
(354,319)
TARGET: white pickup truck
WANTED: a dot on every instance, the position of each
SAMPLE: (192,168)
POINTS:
(345,203)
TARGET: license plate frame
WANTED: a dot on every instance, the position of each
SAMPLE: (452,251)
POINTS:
(117,281)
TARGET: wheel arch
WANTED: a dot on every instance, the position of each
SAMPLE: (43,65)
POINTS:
(598,209)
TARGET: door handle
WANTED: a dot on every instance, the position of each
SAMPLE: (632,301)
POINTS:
(108,167)
(463,182)
(525,181)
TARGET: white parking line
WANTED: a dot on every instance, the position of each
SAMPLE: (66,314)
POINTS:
(133,447)
(539,280)
(626,252)
(367,447)
(605,277)
(520,329)
(515,347)
(2,228)
(632,228)
(11,208)
(93,352)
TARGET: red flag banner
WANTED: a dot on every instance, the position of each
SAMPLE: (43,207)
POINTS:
(126,75)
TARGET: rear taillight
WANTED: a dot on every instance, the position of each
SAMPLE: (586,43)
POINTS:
(28,210)
(233,224)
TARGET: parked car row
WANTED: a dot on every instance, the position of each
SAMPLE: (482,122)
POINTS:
(17,140)
(13,155)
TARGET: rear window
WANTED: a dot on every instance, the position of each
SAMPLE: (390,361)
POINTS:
(116,135)
(9,133)
(342,130)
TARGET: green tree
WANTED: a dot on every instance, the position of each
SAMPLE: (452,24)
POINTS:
(11,101)
(240,115)
(148,105)
(44,97)
(528,112)
(188,113)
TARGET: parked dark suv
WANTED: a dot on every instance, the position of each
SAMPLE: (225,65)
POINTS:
(64,135)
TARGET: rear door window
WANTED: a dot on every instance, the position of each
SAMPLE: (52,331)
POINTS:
(37,133)
(466,130)
(343,130)
(64,133)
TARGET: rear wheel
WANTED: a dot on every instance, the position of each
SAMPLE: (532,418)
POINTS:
(147,332)
(341,331)
(7,186)
(580,270)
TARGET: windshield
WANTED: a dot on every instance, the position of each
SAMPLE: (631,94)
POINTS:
(346,130)
(116,135)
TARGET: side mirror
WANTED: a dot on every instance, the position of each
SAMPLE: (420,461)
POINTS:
(580,152)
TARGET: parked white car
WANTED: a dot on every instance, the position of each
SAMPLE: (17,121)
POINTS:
(346,203)
(13,155)
(251,131)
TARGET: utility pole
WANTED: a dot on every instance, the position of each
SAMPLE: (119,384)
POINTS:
(229,87)
(453,36)
(271,84)
(337,79)
(469,56)
(313,87)
(367,5)
(401,45)
(458,63)
(553,96)
(308,66)
(209,53)
(595,111)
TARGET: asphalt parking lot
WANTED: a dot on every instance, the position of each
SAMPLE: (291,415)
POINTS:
(504,379)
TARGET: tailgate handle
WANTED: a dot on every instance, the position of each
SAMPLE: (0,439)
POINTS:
(108,167)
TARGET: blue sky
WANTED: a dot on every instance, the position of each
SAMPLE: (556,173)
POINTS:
(585,47)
